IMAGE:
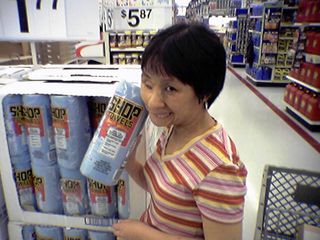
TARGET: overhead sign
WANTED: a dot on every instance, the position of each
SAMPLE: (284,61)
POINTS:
(40,20)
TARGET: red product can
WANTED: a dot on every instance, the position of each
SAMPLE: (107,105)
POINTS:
(313,108)
(304,100)
(297,98)
(292,94)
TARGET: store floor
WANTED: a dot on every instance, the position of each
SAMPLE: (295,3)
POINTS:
(262,136)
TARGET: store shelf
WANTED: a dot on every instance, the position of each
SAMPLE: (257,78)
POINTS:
(236,64)
(255,32)
(136,49)
(312,58)
(265,82)
(317,90)
(307,24)
(258,17)
(311,125)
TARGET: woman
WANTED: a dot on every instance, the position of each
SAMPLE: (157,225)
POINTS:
(195,178)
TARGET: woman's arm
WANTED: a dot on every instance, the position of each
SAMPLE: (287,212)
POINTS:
(136,230)
(136,160)
(217,231)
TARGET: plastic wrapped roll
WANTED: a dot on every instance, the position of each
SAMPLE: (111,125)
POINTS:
(24,182)
(39,131)
(74,192)
(97,107)
(72,130)
(15,130)
(123,199)
(98,235)
(76,234)
(123,120)
(102,199)
(28,232)
(52,233)
(46,181)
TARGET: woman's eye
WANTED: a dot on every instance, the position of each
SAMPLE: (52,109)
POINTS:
(170,89)
(148,86)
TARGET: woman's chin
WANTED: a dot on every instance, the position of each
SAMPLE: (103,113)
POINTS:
(161,122)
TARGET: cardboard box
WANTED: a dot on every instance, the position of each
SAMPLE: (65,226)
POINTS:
(308,232)
(85,88)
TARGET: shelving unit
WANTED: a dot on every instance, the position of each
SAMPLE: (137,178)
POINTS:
(302,95)
(237,37)
(264,22)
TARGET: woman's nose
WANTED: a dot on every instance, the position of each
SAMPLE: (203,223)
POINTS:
(156,99)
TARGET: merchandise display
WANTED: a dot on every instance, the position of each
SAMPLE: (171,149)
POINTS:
(237,37)
(50,190)
(126,47)
(264,29)
(302,95)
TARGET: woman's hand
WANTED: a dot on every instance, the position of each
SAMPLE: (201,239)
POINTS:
(130,229)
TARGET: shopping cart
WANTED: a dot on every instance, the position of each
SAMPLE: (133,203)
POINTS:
(288,199)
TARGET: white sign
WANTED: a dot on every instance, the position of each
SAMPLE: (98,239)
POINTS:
(38,20)
(138,18)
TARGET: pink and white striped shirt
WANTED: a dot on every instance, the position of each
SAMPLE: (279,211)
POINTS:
(205,177)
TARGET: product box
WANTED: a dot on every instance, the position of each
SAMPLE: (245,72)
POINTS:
(72,87)
(308,232)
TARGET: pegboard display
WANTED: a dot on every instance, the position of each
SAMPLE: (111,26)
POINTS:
(288,199)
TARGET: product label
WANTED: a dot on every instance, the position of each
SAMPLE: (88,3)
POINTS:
(24,179)
(122,191)
(98,190)
(60,122)
(97,110)
(39,183)
(71,188)
(73,238)
(33,118)
(119,123)
(41,237)
(16,112)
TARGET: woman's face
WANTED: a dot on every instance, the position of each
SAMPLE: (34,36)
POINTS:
(169,101)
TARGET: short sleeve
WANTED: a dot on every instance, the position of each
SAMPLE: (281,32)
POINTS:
(220,195)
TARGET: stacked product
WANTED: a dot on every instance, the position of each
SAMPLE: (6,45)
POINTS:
(263,26)
(47,139)
(237,36)
(303,95)
(126,47)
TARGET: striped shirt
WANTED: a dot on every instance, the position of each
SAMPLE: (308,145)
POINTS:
(204,178)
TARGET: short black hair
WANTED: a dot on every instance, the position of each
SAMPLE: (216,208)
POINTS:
(191,52)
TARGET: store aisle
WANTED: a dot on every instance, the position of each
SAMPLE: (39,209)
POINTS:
(262,137)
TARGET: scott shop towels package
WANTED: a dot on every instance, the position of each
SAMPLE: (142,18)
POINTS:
(117,130)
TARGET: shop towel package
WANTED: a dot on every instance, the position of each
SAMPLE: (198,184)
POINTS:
(18,214)
(123,120)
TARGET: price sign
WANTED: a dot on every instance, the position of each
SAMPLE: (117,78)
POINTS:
(136,18)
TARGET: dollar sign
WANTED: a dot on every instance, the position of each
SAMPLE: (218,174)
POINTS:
(123,13)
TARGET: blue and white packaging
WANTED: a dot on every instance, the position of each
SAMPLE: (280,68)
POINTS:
(46,180)
(123,196)
(74,192)
(52,233)
(24,182)
(123,120)
(28,232)
(102,199)
(97,107)
(75,234)
(98,235)
(15,130)
(39,131)
(72,131)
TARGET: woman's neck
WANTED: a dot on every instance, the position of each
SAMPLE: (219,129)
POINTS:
(182,134)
